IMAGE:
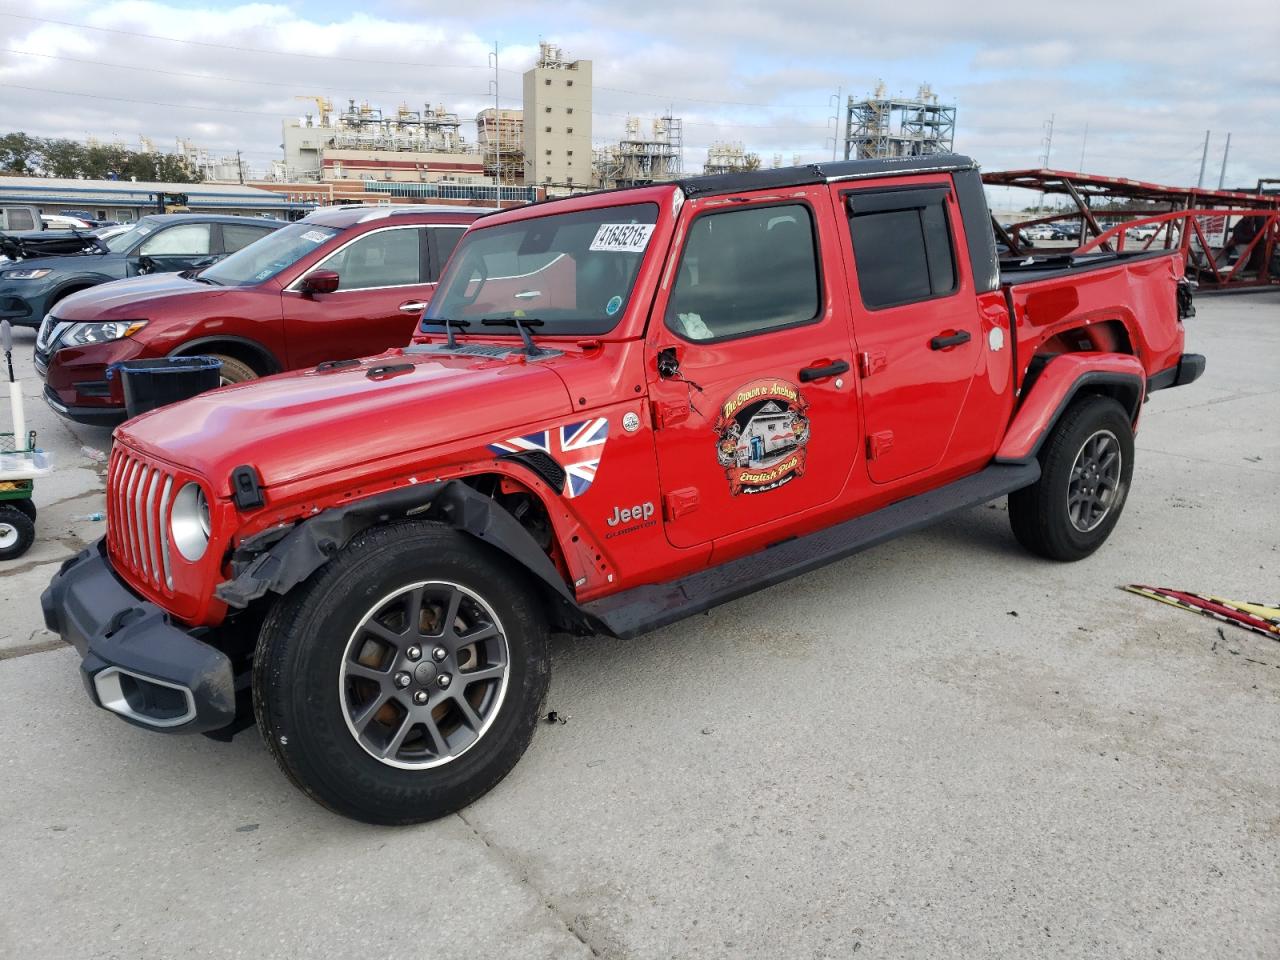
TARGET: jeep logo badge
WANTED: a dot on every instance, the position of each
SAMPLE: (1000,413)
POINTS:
(630,519)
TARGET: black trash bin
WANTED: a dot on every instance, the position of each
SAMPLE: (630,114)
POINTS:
(150,384)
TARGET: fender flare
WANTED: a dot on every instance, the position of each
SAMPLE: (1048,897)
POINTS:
(1060,381)
(273,365)
(277,560)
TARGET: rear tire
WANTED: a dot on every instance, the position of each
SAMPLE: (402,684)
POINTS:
(233,370)
(26,506)
(17,533)
(1086,465)
(349,683)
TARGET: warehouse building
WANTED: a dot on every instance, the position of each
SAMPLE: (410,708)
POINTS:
(127,200)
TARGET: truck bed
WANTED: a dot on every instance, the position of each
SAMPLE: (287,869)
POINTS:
(1100,302)
(1020,270)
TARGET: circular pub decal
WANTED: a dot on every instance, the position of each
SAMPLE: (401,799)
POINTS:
(761,434)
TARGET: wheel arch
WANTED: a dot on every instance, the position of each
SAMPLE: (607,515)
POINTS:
(1062,381)
(278,560)
(259,358)
(68,287)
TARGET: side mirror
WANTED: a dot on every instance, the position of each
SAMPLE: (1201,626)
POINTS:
(320,281)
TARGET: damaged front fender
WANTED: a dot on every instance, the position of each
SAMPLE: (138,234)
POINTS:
(278,560)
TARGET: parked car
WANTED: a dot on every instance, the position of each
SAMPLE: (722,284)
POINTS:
(622,408)
(1041,231)
(162,243)
(59,221)
(343,282)
(1143,231)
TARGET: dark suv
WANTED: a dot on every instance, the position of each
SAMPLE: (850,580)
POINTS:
(163,243)
(343,282)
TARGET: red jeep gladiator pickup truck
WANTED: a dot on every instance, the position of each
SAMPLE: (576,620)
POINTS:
(620,409)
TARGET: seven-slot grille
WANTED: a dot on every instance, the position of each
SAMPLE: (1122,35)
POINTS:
(139,501)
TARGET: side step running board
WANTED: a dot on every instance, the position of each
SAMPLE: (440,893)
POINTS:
(633,612)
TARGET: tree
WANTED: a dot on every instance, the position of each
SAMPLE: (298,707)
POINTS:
(24,155)
(19,154)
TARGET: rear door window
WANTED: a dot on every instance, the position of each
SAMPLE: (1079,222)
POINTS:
(443,240)
(383,258)
(901,246)
(236,236)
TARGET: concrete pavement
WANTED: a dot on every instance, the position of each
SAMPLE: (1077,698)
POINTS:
(939,748)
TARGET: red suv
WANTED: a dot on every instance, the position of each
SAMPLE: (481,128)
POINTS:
(342,283)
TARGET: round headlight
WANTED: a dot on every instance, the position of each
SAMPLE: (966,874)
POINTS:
(189,522)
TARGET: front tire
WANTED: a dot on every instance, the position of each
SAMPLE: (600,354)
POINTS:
(233,370)
(405,679)
(1086,466)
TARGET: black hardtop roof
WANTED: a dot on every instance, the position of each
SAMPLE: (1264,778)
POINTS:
(824,172)
(809,173)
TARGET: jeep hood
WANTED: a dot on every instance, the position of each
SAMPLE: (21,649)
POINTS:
(310,423)
(131,298)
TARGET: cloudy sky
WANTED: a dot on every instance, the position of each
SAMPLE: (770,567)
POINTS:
(1147,78)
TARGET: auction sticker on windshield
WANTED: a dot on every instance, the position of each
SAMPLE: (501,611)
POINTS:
(315,236)
(622,237)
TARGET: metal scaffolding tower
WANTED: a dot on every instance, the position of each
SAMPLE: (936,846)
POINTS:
(642,158)
(882,126)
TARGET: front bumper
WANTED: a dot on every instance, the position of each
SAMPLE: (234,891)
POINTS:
(76,382)
(135,662)
(93,416)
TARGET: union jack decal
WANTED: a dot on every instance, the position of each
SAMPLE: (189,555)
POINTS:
(577,447)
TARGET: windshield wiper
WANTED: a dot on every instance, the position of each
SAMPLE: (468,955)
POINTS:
(209,280)
(520,323)
(451,343)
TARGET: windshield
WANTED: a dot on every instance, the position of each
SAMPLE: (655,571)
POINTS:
(263,259)
(572,271)
(122,242)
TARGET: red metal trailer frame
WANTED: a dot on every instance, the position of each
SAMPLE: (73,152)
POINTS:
(1231,238)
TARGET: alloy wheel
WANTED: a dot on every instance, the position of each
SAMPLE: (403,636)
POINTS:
(1094,483)
(424,675)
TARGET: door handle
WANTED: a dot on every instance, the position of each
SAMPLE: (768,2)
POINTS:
(827,370)
(413,306)
(953,340)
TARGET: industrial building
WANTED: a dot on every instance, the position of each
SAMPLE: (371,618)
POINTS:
(557,121)
(500,138)
(882,126)
(645,154)
(127,200)
(361,142)
(725,157)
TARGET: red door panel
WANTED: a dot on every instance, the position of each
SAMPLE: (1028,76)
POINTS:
(381,295)
(750,367)
(915,318)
